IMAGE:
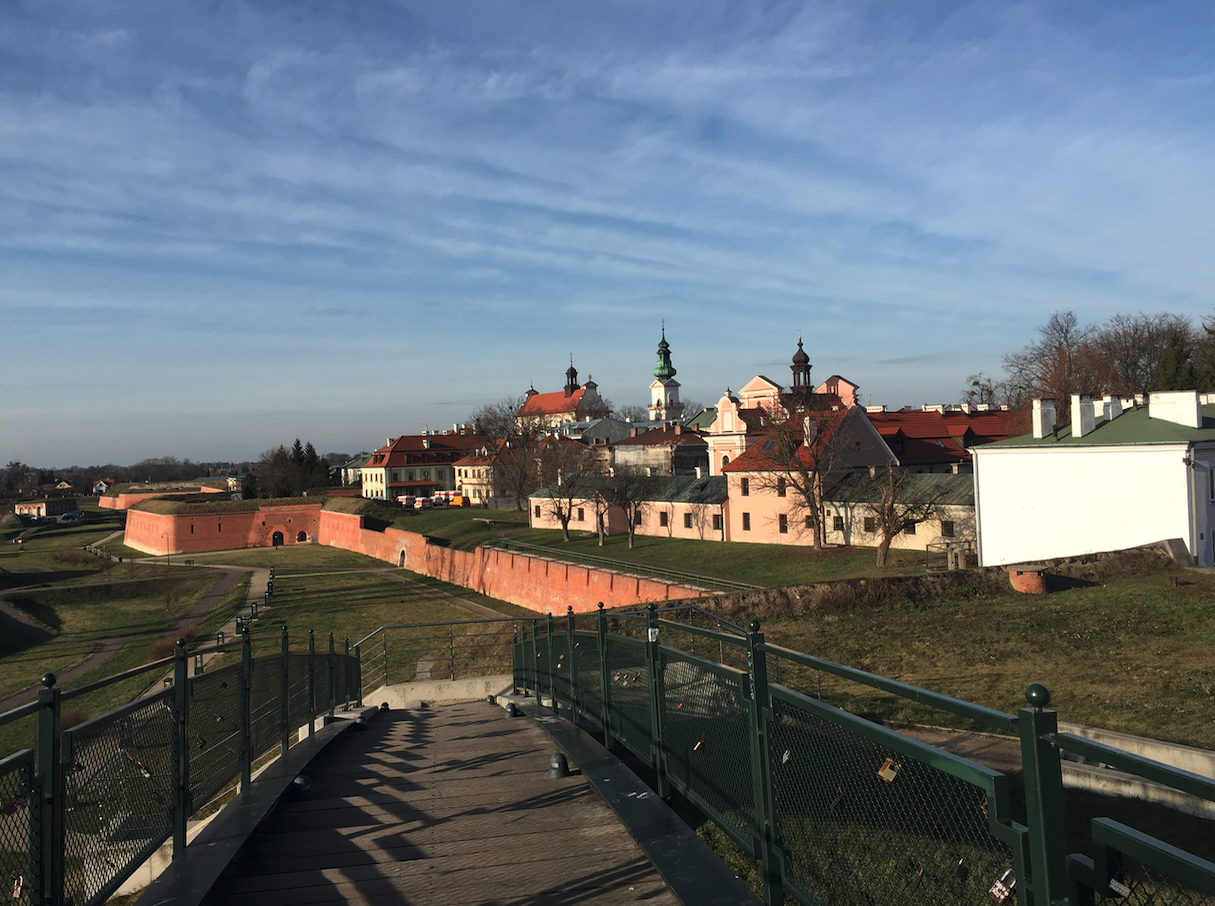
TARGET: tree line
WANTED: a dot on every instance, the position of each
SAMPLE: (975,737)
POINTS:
(1127,355)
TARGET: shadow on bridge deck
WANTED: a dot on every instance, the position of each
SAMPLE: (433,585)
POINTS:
(447,805)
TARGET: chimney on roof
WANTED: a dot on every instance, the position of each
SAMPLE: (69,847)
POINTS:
(1044,418)
(1111,407)
(679,429)
(934,407)
(875,409)
(698,472)
(1181,407)
(1083,417)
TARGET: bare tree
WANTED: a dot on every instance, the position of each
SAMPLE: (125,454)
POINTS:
(632,413)
(1127,352)
(1054,366)
(629,488)
(983,389)
(567,470)
(893,508)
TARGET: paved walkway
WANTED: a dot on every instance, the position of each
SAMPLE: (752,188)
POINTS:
(438,807)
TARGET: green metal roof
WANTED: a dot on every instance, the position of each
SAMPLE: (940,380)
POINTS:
(1134,426)
(943,488)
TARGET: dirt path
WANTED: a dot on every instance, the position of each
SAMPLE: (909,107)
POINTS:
(108,647)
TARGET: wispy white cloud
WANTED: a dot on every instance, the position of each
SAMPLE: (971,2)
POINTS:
(900,180)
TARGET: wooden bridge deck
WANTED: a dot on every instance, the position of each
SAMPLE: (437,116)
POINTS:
(450,805)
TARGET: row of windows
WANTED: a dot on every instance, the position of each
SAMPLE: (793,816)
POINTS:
(744,487)
(663,518)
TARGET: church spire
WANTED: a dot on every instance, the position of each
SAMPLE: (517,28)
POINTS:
(664,370)
(800,368)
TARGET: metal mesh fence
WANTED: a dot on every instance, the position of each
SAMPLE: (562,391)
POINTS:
(630,693)
(299,711)
(16,797)
(213,732)
(707,740)
(1137,884)
(265,703)
(322,668)
(561,663)
(586,666)
(864,825)
(118,794)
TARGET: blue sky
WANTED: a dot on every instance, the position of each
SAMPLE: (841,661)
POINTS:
(224,225)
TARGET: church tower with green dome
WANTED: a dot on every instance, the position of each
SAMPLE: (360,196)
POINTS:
(664,391)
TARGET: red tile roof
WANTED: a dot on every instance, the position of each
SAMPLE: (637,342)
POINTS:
(552,403)
(922,437)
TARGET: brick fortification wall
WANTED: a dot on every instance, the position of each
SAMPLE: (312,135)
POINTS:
(154,533)
(534,582)
(126,501)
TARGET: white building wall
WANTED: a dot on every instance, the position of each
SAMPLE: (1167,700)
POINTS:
(1040,503)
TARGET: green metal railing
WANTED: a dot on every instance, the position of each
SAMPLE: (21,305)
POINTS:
(838,809)
(86,806)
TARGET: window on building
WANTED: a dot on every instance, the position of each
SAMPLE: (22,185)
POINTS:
(537,511)
(746,522)
(664,519)
(870,524)
(837,523)
(687,520)
(745,487)
(717,522)
(784,524)
(637,518)
(581,514)
(946,528)
(908,527)
(809,522)
(780,487)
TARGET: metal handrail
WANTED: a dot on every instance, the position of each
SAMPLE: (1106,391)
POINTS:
(712,583)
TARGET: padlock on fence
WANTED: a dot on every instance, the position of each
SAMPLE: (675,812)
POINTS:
(1002,890)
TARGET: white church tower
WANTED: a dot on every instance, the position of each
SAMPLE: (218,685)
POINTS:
(664,392)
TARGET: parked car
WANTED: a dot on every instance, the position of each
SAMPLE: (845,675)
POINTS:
(438,503)
(408,501)
(72,516)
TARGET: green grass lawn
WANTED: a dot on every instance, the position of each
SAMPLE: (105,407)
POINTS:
(1134,655)
(289,558)
(350,605)
(759,564)
(122,608)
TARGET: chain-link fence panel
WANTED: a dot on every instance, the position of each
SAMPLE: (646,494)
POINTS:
(630,694)
(864,824)
(299,710)
(320,681)
(118,795)
(16,798)
(561,664)
(719,648)
(586,666)
(213,732)
(265,704)
(1137,884)
(707,740)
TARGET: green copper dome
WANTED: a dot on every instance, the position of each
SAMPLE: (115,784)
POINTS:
(664,369)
